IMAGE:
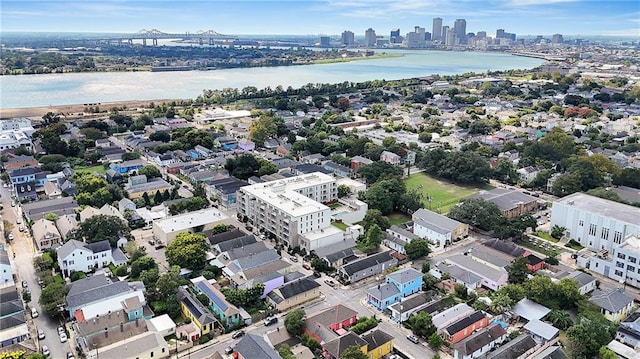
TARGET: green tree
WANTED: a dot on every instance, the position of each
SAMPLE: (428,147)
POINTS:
(518,270)
(557,232)
(560,319)
(150,171)
(514,291)
(128,156)
(372,240)
(294,322)
(374,216)
(435,341)
(102,227)
(141,264)
(477,212)
(417,248)
(166,290)
(589,335)
(421,324)
(285,352)
(353,352)
(500,303)
(606,353)
(188,250)
(262,128)
(343,191)
(379,170)
(266,167)
(52,298)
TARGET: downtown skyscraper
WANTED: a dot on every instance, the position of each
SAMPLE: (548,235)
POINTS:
(436,32)
(460,31)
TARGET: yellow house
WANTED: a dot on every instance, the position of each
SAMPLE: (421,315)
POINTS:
(379,344)
(337,346)
(137,186)
(192,308)
(294,293)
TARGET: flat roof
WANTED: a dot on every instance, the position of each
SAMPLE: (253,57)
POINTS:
(190,220)
(603,207)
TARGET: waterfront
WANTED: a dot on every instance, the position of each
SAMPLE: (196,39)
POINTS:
(96,87)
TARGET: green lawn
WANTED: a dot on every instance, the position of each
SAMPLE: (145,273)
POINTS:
(398,218)
(546,236)
(95,169)
(340,225)
(443,194)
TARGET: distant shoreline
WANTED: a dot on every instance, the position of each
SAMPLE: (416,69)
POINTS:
(39,111)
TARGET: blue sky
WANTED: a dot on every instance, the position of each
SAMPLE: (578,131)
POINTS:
(302,17)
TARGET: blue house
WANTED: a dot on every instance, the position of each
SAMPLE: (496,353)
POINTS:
(127,166)
(226,313)
(24,175)
(398,285)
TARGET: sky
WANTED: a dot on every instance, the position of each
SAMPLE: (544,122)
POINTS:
(328,17)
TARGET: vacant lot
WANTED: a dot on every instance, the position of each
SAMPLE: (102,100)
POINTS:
(443,194)
(95,169)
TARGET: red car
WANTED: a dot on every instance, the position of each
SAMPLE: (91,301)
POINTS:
(306,266)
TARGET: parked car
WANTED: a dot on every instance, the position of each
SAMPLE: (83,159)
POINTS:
(25,284)
(45,350)
(22,229)
(61,331)
(317,274)
(237,334)
(306,266)
(70,355)
(63,337)
(414,339)
(269,321)
(34,313)
(152,242)
(18,220)
(228,350)
(41,334)
(293,259)
(10,236)
(330,283)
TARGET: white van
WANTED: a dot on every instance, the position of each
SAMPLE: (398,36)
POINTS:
(34,312)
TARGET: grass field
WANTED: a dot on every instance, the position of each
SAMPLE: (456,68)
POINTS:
(444,195)
(95,169)
(398,218)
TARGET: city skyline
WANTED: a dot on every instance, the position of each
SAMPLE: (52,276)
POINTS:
(329,17)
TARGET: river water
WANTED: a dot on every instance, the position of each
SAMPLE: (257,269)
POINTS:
(97,87)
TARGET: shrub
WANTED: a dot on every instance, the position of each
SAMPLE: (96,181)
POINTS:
(203,339)
(122,270)
(77,275)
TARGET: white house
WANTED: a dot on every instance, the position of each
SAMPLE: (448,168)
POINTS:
(76,256)
(6,272)
(390,157)
(439,230)
(480,342)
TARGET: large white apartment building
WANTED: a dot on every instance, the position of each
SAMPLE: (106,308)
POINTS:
(622,265)
(290,208)
(596,223)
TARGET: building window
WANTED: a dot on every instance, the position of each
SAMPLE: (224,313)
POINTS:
(605,233)
(631,268)
(617,237)
(619,273)
(581,223)
(621,256)
(619,264)
(632,259)
(592,229)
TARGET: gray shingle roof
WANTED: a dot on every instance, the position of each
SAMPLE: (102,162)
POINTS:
(340,344)
(300,286)
(479,339)
(97,294)
(384,291)
(236,242)
(582,278)
(435,221)
(458,273)
(376,338)
(257,259)
(613,300)
(401,231)
(514,349)
(367,262)
(405,275)
(253,346)
(505,199)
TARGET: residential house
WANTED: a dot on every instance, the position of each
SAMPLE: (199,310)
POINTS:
(76,256)
(164,160)
(252,346)
(540,331)
(336,169)
(45,234)
(224,191)
(479,343)
(52,190)
(314,158)
(226,313)
(379,344)
(399,285)
(137,186)
(614,303)
(390,158)
(6,271)
(338,253)
(13,323)
(528,174)
(628,332)
(357,161)
(334,348)
(224,242)
(25,191)
(396,238)
(510,202)
(113,176)
(458,275)
(464,327)
(530,310)
(146,345)
(403,310)
(127,166)
(551,352)
(294,293)
(98,295)
(322,325)
(535,263)
(24,174)
(69,188)
(88,212)
(60,206)
(366,267)
(226,142)
(446,317)
(439,230)
(586,282)
(245,145)
(126,204)
(19,161)
(492,277)
(518,348)
(192,308)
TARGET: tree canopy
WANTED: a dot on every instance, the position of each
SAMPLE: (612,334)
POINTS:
(102,227)
(417,248)
(294,322)
(353,352)
(188,250)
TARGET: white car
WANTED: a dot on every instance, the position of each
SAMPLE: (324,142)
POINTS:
(34,313)
(45,350)
(61,331)
(41,334)
(63,338)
